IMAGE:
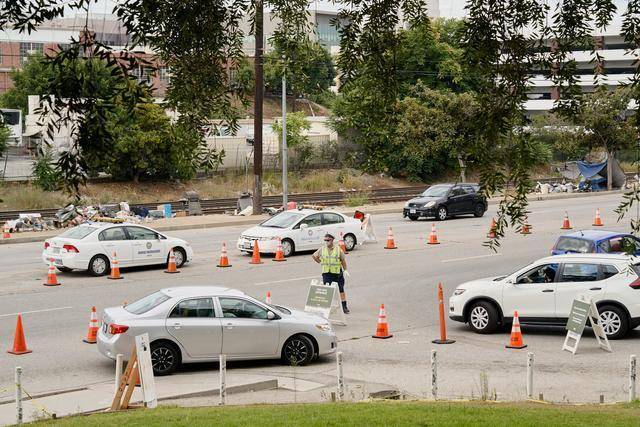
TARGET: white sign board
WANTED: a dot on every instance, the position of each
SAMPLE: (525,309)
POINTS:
(325,300)
(580,312)
(145,367)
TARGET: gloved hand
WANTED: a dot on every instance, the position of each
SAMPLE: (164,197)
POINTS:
(346,273)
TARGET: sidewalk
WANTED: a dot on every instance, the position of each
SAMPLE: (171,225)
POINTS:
(221,220)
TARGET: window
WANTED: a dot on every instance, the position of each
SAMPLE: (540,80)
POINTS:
(312,220)
(116,233)
(27,48)
(620,244)
(331,218)
(163,74)
(197,307)
(239,308)
(282,220)
(572,244)
(608,271)
(139,233)
(545,273)
(579,273)
(147,303)
(469,189)
(457,191)
(79,232)
(436,191)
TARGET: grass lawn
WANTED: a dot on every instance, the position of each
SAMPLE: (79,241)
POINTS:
(370,414)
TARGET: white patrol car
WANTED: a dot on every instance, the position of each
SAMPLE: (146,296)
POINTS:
(301,230)
(91,246)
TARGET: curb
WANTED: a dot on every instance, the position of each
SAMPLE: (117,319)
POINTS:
(251,221)
(242,388)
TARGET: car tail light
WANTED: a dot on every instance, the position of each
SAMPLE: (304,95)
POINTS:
(46,245)
(117,329)
(635,284)
(71,248)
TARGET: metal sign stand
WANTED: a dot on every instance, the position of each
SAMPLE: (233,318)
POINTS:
(582,310)
(336,307)
(325,300)
(601,337)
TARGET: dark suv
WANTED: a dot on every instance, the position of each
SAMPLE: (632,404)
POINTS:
(446,200)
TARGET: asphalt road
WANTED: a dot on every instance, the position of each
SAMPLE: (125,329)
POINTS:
(405,280)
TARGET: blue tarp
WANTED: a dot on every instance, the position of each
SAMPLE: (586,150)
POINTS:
(588,170)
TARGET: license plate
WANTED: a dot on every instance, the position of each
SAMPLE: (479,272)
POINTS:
(412,211)
(246,245)
(57,261)
(56,250)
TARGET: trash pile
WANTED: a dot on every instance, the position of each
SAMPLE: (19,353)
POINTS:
(564,187)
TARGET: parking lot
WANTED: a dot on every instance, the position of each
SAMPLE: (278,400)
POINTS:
(405,280)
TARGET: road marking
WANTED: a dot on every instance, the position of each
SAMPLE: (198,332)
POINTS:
(35,311)
(469,257)
(287,280)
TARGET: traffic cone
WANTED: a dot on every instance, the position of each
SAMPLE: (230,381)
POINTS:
(19,343)
(255,259)
(566,225)
(268,298)
(5,232)
(224,259)
(341,244)
(171,267)
(390,242)
(92,335)
(52,279)
(115,268)
(443,325)
(526,228)
(492,229)
(279,254)
(382,330)
(516,334)
(433,239)
(597,222)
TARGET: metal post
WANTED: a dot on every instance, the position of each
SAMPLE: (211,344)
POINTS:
(632,378)
(119,362)
(257,107)
(223,379)
(529,375)
(434,375)
(340,377)
(285,181)
(18,395)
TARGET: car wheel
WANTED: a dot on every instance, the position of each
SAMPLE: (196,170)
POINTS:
(350,242)
(614,322)
(288,248)
(478,210)
(180,256)
(442,213)
(298,350)
(413,217)
(483,317)
(165,357)
(64,269)
(99,265)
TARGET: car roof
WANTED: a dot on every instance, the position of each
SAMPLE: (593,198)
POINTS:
(599,258)
(194,291)
(450,184)
(104,224)
(312,211)
(594,234)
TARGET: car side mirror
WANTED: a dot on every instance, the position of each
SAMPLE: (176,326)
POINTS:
(303,226)
(271,315)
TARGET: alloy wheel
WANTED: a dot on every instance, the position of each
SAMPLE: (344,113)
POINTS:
(99,266)
(296,351)
(479,317)
(610,322)
(162,359)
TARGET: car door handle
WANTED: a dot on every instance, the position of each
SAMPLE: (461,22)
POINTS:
(177,326)
(229,325)
(547,290)
(595,289)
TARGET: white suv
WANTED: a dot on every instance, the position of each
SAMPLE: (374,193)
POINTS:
(543,291)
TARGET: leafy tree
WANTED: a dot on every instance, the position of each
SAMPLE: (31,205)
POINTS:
(5,133)
(297,139)
(557,132)
(32,79)
(44,171)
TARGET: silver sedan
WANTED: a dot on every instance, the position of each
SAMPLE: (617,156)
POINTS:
(198,323)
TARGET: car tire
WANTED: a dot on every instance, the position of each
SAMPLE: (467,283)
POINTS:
(350,241)
(165,358)
(478,210)
(483,317)
(298,351)
(180,255)
(614,321)
(442,213)
(413,217)
(99,265)
(65,269)
(288,247)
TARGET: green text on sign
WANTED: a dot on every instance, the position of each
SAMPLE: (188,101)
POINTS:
(578,316)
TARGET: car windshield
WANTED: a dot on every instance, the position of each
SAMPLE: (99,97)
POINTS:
(78,233)
(147,303)
(572,244)
(279,308)
(436,191)
(283,220)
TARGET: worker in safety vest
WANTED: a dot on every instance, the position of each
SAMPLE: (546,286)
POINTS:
(334,266)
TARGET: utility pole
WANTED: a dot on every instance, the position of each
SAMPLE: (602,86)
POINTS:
(285,181)
(257,110)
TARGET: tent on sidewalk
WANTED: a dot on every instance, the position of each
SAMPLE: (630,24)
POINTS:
(595,174)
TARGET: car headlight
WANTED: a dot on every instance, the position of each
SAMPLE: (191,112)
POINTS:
(459,291)
(429,204)
(406,205)
(324,327)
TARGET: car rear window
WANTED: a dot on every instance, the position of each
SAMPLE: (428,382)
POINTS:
(147,303)
(78,233)
(573,244)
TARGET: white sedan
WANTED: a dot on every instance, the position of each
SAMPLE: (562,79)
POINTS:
(301,230)
(91,247)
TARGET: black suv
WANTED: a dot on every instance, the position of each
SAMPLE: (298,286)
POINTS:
(446,200)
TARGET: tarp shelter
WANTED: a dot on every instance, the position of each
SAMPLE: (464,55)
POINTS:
(595,173)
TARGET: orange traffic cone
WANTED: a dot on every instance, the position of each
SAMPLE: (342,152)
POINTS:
(52,279)
(115,268)
(492,229)
(255,259)
(341,244)
(597,222)
(224,259)
(516,334)
(268,298)
(382,331)
(566,225)
(5,232)
(390,242)
(171,267)
(19,343)
(433,239)
(279,254)
(92,335)
(526,228)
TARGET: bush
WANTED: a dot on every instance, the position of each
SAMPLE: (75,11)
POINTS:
(46,175)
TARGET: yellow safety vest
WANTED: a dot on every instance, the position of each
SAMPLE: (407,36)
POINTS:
(330,261)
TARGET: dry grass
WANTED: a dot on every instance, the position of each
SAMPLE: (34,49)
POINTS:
(26,196)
